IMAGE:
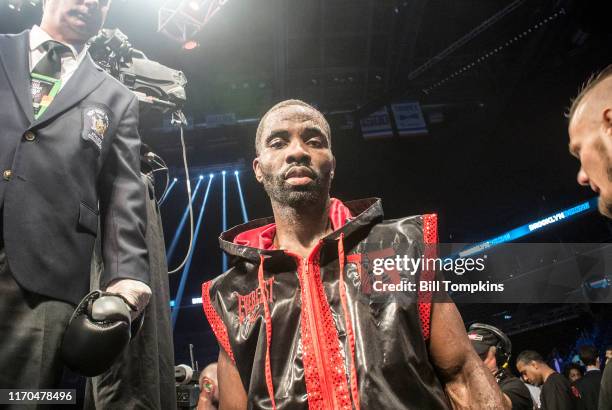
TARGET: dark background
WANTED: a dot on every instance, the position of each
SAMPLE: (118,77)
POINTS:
(495,156)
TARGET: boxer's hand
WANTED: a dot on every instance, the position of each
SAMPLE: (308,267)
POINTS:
(135,292)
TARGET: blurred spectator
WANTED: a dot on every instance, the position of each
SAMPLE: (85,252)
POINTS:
(556,389)
(587,388)
(608,354)
(605,393)
(495,349)
(573,372)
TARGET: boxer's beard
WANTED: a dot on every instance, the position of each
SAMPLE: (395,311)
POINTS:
(297,196)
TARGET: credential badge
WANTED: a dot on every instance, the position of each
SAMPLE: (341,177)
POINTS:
(96,122)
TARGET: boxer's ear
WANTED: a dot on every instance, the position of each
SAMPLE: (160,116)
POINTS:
(607,122)
(257,170)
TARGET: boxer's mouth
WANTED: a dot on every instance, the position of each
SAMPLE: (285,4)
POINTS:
(299,175)
(299,172)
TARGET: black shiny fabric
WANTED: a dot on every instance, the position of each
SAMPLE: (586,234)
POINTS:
(393,367)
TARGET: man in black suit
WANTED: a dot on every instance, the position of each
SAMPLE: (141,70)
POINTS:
(69,156)
(587,387)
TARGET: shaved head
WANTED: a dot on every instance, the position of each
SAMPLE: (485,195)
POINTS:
(210,371)
(304,110)
(209,383)
(590,132)
(294,162)
(597,90)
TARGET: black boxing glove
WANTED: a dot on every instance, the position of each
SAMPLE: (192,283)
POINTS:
(98,331)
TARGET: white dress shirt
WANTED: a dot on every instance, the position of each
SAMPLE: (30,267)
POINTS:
(70,61)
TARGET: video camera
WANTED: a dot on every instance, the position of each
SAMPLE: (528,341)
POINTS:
(187,387)
(156,86)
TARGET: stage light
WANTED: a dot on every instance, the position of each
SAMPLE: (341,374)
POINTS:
(235,172)
(190,45)
(223,172)
(15,4)
(196,301)
(201,176)
(172,303)
(211,175)
(185,273)
(183,20)
(175,179)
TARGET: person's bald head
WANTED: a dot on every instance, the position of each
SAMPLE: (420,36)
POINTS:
(209,384)
(590,132)
(209,372)
(299,109)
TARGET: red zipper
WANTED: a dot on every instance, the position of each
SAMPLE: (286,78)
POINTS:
(315,319)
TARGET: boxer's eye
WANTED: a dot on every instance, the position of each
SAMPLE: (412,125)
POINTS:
(276,143)
(575,151)
(315,142)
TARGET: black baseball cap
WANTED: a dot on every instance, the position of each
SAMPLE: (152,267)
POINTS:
(482,339)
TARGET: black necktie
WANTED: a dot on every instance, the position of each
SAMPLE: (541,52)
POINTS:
(44,89)
(51,63)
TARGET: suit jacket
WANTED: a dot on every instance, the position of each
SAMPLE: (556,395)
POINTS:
(588,388)
(78,162)
(605,391)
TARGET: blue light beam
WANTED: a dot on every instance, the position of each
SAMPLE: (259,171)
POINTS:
(185,273)
(245,217)
(181,226)
(163,198)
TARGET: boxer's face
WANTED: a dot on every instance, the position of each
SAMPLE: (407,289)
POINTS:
(295,163)
(74,21)
(591,142)
(530,373)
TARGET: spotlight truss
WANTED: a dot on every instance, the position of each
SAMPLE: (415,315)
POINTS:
(17,5)
(181,20)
